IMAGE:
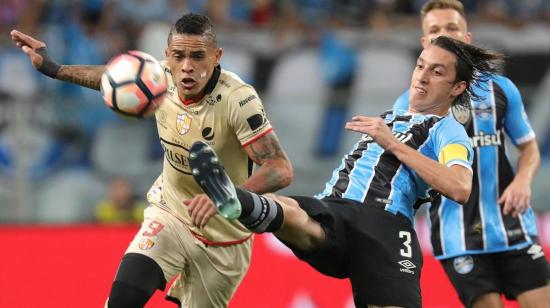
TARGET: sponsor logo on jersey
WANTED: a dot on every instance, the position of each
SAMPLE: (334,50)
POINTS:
(461,113)
(183,123)
(463,264)
(484,111)
(483,140)
(407,266)
(224,83)
(211,100)
(256,121)
(383,200)
(146,244)
(208,133)
(247,100)
(535,251)
(154,194)
(162,116)
(514,232)
(477,228)
(171,89)
(176,155)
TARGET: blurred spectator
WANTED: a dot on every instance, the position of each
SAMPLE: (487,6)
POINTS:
(516,13)
(339,64)
(57,146)
(121,205)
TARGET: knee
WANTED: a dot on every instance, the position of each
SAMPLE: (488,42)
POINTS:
(124,295)
(137,278)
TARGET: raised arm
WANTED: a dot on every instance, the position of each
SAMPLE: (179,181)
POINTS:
(88,76)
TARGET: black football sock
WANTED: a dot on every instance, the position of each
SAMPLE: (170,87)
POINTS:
(258,213)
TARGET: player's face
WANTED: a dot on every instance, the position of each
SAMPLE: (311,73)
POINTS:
(192,59)
(445,22)
(433,87)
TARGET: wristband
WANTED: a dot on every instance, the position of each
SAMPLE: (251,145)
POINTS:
(48,67)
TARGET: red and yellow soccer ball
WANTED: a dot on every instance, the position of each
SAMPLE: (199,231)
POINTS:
(133,84)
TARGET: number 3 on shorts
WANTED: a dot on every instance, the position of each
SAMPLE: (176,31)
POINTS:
(407,252)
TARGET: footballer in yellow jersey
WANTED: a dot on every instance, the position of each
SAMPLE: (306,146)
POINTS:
(182,236)
(228,117)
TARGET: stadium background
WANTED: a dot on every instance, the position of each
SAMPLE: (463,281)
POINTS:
(314,62)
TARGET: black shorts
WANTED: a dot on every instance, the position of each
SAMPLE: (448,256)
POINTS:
(376,249)
(510,273)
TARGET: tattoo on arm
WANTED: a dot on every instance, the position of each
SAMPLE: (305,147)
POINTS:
(88,76)
(275,171)
(267,147)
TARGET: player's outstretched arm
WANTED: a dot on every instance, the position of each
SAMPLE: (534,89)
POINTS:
(276,170)
(454,182)
(85,75)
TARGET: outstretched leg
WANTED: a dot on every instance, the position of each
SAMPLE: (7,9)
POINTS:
(259,213)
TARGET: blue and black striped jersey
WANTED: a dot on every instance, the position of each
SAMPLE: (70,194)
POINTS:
(479,226)
(369,174)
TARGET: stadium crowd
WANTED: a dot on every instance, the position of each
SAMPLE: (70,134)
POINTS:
(51,146)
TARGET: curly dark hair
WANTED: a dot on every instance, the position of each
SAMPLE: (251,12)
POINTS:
(194,24)
(474,65)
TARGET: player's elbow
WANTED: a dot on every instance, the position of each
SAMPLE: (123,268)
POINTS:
(286,173)
(461,192)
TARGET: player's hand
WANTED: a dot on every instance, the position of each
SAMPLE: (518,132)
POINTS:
(29,45)
(516,198)
(375,127)
(201,209)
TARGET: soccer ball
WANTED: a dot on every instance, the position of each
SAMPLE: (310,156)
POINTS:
(133,84)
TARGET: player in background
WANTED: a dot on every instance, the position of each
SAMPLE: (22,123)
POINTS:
(489,246)
(182,236)
(361,226)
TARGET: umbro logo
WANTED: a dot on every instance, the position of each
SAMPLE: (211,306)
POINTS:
(407,266)
(535,251)
(403,137)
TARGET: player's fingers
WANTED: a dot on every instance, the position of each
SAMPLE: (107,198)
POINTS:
(35,58)
(526,199)
(201,212)
(522,205)
(191,206)
(507,208)
(28,40)
(359,118)
(519,209)
(209,213)
(502,198)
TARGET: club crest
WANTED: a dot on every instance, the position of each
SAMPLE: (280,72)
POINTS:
(183,123)
(461,113)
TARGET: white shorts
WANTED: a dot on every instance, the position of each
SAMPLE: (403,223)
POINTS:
(207,276)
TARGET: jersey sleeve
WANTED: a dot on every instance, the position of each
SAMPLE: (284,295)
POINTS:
(247,116)
(516,123)
(402,102)
(452,145)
